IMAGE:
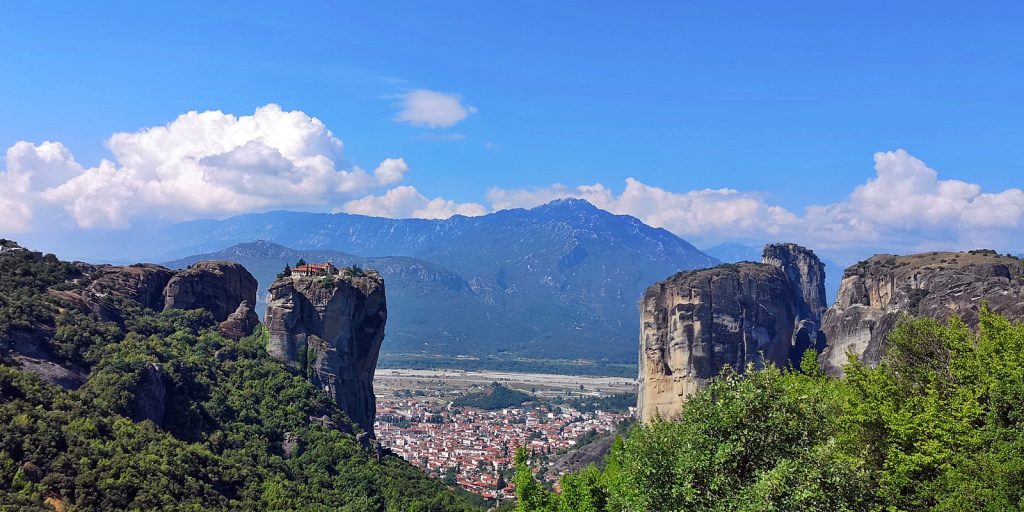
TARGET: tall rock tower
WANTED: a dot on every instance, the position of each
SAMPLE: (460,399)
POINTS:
(695,323)
(807,274)
(331,328)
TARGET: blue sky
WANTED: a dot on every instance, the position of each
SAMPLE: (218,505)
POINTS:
(787,102)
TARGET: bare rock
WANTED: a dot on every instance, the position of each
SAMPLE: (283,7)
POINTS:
(144,283)
(332,333)
(216,286)
(241,323)
(876,293)
(697,322)
(807,275)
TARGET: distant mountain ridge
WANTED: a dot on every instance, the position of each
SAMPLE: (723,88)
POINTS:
(562,280)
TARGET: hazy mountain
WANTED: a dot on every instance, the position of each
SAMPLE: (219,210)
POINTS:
(430,307)
(732,252)
(560,280)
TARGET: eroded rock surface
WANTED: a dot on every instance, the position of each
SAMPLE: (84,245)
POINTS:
(216,286)
(807,275)
(877,292)
(697,322)
(332,333)
(241,323)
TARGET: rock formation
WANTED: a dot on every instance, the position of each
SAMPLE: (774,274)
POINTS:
(216,286)
(697,322)
(241,323)
(331,329)
(227,290)
(807,274)
(877,292)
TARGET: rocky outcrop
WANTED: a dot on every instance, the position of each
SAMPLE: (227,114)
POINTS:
(216,286)
(877,292)
(149,400)
(805,271)
(807,274)
(241,323)
(697,322)
(227,290)
(331,330)
(143,283)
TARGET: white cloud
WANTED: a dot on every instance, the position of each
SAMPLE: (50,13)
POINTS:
(904,206)
(204,164)
(29,169)
(433,109)
(690,213)
(407,202)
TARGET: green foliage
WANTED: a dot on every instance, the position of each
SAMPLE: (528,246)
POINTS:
(938,425)
(354,271)
(287,271)
(498,396)
(227,408)
(24,278)
(531,496)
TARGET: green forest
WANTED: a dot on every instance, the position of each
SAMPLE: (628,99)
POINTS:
(937,425)
(241,431)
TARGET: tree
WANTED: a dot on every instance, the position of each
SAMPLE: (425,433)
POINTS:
(530,494)
(301,262)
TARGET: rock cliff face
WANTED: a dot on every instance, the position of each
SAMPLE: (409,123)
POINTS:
(227,290)
(333,334)
(875,293)
(807,274)
(216,286)
(697,322)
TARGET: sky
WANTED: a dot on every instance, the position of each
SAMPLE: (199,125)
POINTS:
(894,126)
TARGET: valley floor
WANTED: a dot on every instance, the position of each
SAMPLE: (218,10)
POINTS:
(473,448)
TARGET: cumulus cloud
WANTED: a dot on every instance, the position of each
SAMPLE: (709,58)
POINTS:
(407,202)
(202,164)
(904,205)
(433,109)
(30,168)
(695,212)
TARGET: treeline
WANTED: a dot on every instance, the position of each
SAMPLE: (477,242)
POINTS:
(236,430)
(937,425)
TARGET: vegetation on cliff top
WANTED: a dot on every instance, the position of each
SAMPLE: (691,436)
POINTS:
(239,431)
(937,425)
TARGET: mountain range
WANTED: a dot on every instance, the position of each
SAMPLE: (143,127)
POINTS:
(562,280)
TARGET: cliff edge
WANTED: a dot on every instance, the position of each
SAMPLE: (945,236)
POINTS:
(331,328)
(876,292)
(695,323)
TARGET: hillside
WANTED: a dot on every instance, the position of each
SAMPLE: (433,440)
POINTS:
(168,413)
(432,308)
(561,280)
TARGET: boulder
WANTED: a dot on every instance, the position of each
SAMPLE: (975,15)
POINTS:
(241,323)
